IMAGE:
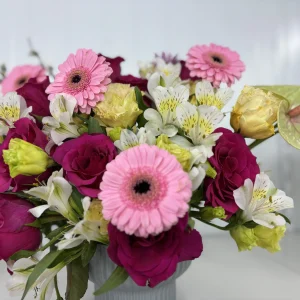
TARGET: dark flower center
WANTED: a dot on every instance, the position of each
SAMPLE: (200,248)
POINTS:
(217,59)
(76,78)
(22,80)
(142,187)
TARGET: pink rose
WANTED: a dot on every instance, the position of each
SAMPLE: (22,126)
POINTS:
(84,159)
(26,130)
(155,258)
(14,235)
(234,163)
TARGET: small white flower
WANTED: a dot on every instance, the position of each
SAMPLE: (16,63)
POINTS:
(56,193)
(196,174)
(61,125)
(12,108)
(129,139)
(164,120)
(206,95)
(261,201)
(44,284)
(198,123)
(85,230)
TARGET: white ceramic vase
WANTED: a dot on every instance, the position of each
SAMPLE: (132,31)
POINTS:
(101,268)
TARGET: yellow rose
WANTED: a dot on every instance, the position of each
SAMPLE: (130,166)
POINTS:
(244,237)
(269,238)
(26,159)
(209,213)
(119,107)
(254,113)
(182,155)
(94,214)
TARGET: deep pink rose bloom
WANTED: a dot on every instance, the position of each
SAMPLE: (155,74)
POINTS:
(14,235)
(141,83)
(26,130)
(84,159)
(234,163)
(115,64)
(154,258)
(34,94)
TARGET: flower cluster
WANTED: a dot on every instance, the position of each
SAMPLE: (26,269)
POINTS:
(96,158)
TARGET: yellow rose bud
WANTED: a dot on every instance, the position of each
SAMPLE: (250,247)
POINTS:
(183,156)
(114,133)
(26,159)
(119,108)
(269,238)
(254,113)
(244,237)
(94,214)
(209,213)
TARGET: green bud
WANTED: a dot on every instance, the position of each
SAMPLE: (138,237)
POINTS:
(209,213)
(115,133)
(244,237)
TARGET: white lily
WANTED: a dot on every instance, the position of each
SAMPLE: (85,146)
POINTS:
(261,201)
(164,120)
(85,230)
(44,285)
(56,193)
(12,108)
(198,123)
(129,139)
(61,125)
(206,95)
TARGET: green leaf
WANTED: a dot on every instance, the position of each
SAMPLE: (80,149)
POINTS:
(36,224)
(94,126)
(39,269)
(78,276)
(22,254)
(88,252)
(118,277)
(76,201)
(285,217)
(139,99)
(197,197)
(57,231)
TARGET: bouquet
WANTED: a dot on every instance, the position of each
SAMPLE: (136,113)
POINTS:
(93,158)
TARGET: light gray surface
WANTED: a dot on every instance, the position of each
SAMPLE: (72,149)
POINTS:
(224,274)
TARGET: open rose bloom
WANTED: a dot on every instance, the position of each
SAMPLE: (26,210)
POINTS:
(87,163)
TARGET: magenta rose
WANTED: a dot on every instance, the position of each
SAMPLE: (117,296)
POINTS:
(115,64)
(84,159)
(26,130)
(133,81)
(155,258)
(34,94)
(14,235)
(234,163)
(185,72)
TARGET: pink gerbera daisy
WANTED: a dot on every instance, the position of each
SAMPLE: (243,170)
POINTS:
(145,191)
(19,75)
(214,63)
(84,76)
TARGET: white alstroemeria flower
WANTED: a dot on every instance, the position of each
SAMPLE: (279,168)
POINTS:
(44,285)
(85,230)
(206,95)
(61,125)
(163,120)
(197,175)
(261,201)
(161,79)
(56,193)
(129,139)
(198,123)
(12,108)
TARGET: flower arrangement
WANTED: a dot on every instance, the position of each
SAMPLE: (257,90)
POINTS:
(129,163)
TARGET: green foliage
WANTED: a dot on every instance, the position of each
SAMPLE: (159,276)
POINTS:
(88,251)
(94,126)
(78,276)
(142,106)
(118,277)
(76,201)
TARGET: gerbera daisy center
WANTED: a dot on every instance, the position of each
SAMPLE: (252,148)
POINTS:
(21,81)
(217,59)
(77,80)
(142,187)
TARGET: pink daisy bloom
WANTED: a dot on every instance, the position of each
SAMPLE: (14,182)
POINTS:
(84,76)
(144,191)
(19,75)
(214,63)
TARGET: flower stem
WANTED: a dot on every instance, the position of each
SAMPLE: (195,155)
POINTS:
(58,296)
(257,142)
